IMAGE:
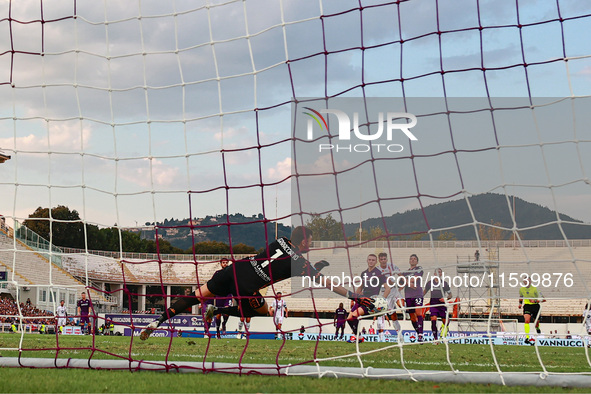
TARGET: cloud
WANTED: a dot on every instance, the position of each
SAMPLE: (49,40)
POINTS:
(140,173)
(323,164)
(231,134)
(162,85)
(61,137)
(281,171)
(114,62)
(232,138)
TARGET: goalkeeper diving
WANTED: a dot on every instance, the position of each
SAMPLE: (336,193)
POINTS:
(281,260)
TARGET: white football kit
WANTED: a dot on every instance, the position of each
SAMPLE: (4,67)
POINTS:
(587,319)
(279,308)
(381,322)
(390,271)
(61,314)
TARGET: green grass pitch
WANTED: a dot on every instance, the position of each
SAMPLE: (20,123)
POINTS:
(424,357)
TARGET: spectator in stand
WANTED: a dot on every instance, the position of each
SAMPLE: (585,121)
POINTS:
(8,307)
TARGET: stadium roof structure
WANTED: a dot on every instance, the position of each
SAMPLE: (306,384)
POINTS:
(3,157)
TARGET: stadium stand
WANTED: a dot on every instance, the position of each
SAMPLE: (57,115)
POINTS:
(103,271)
(32,270)
(564,301)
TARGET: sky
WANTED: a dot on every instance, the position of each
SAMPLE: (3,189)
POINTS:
(141,111)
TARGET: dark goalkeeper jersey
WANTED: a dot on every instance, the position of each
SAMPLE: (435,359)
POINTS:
(278,262)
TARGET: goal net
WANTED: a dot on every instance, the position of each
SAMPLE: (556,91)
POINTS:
(454,131)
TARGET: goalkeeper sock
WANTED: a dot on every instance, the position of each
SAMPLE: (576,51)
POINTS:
(538,330)
(226,317)
(240,326)
(247,327)
(178,307)
(444,331)
(434,329)
(230,310)
(350,323)
(526,325)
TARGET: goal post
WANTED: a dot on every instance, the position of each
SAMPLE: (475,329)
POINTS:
(478,326)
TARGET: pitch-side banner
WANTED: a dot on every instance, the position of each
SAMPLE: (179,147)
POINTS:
(72,330)
(181,321)
(475,338)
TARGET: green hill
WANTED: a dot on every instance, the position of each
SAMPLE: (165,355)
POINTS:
(249,230)
(488,208)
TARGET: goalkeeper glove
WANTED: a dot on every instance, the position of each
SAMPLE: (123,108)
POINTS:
(361,300)
(321,264)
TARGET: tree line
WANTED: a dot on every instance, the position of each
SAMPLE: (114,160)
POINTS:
(326,228)
(66,229)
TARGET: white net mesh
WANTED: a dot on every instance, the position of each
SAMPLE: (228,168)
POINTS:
(133,113)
